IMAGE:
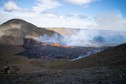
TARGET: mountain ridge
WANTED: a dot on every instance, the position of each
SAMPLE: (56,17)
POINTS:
(14,30)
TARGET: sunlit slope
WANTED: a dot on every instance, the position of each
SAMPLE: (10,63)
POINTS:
(14,30)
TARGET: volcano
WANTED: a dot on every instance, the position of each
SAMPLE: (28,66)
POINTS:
(35,49)
(14,30)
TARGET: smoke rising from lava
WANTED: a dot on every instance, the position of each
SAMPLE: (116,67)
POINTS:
(87,38)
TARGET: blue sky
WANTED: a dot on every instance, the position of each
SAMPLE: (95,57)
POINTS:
(85,14)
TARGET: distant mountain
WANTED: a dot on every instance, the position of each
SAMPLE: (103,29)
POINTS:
(14,30)
(109,57)
(63,31)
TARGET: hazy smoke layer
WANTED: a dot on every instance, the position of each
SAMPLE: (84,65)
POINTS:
(88,53)
(87,38)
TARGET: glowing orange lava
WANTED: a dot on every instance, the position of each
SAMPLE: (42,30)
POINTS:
(55,44)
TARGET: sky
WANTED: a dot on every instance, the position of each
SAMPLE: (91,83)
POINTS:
(83,14)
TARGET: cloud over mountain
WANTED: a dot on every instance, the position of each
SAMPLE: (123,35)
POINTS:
(57,13)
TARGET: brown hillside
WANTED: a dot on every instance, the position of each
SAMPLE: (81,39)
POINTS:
(17,63)
(13,31)
(110,57)
(64,31)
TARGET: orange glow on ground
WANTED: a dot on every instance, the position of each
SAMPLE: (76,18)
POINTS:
(68,46)
(55,44)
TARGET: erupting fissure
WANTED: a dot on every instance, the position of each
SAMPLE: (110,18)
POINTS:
(35,49)
(52,44)
(59,45)
(55,45)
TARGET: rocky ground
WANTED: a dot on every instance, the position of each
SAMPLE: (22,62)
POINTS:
(96,75)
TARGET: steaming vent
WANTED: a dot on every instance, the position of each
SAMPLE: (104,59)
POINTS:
(53,49)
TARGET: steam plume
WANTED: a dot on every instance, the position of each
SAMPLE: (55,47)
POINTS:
(87,38)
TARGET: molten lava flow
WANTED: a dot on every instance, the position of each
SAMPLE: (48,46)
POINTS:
(68,47)
(55,44)
(58,45)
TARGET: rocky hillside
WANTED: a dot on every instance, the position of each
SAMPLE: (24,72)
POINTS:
(110,57)
(14,30)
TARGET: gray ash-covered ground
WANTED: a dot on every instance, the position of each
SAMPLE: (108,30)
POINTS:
(95,75)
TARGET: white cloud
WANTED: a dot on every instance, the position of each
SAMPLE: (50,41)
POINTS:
(10,6)
(81,2)
(43,5)
(110,21)
(47,20)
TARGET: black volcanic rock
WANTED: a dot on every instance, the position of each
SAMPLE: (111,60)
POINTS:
(35,49)
(13,31)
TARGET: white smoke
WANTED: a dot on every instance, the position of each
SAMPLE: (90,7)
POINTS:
(88,53)
(56,38)
(87,38)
